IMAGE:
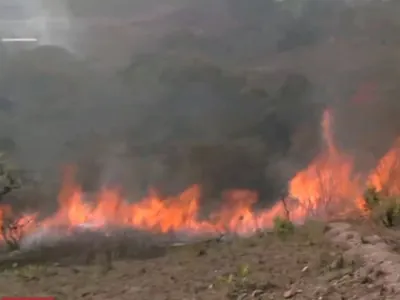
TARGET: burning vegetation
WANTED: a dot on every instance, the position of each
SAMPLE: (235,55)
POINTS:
(213,150)
(329,188)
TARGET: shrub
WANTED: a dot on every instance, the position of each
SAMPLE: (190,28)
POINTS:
(382,208)
(283,226)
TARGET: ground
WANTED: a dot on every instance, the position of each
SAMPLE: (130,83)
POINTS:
(315,262)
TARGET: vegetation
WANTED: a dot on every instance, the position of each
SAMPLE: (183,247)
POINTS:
(28,272)
(11,228)
(384,209)
(283,226)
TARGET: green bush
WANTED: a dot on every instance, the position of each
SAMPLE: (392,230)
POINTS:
(382,208)
(283,226)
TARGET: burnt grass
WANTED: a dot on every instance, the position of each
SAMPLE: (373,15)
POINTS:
(301,265)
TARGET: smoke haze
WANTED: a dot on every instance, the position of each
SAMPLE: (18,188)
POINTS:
(226,93)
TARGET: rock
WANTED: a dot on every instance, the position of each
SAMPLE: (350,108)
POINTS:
(291,293)
(371,296)
(134,289)
(338,263)
(305,269)
(330,276)
(339,226)
(372,239)
(257,293)
(363,274)
(336,274)
(288,294)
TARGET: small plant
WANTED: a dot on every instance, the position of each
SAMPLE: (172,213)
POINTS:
(241,287)
(29,272)
(371,198)
(390,211)
(238,277)
(385,209)
(11,234)
(283,226)
(228,279)
(243,271)
(12,229)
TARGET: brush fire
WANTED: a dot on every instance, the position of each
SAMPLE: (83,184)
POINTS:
(328,188)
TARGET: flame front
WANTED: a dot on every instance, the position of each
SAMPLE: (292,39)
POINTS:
(327,188)
(386,175)
(158,214)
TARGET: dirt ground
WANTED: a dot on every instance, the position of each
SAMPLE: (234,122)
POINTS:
(312,263)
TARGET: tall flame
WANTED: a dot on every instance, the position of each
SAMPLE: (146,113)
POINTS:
(328,187)
(386,176)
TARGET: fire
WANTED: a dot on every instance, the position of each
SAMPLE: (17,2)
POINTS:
(328,188)
(386,174)
(155,213)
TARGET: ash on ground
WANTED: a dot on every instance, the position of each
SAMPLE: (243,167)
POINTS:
(84,243)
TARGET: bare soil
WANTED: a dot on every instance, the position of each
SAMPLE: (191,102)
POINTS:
(312,263)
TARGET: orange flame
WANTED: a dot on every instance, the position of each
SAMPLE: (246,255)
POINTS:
(386,175)
(327,188)
(157,214)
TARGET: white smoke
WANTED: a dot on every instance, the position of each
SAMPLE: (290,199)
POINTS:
(56,23)
(47,21)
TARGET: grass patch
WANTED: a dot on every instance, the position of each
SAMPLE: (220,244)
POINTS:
(27,272)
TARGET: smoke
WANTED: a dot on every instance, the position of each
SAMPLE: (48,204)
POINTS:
(225,93)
